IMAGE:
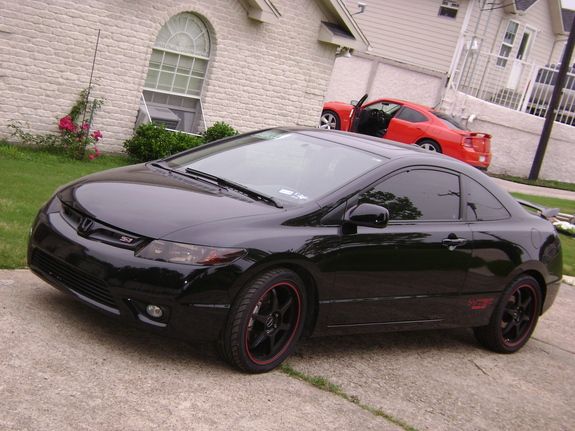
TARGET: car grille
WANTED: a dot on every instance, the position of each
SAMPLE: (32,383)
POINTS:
(73,279)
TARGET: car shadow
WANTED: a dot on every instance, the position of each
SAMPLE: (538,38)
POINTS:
(458,341)
(98,328)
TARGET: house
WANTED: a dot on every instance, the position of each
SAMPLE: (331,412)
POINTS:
(416,47)
(186,63)
(475,59)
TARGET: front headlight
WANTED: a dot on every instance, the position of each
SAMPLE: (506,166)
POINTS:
(190,254)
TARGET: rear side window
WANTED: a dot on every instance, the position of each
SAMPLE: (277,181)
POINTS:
(481,205)
(411,115)
(418,194)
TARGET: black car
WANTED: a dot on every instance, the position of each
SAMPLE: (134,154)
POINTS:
(259,239)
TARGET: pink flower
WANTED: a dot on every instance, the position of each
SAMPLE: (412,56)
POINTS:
(91,156)
(97,135)
(67,124)
(85,126)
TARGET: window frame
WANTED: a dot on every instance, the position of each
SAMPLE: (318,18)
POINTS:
(502,59)
(450,6)
(355,199)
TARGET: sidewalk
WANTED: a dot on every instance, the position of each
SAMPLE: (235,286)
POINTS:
(534,190)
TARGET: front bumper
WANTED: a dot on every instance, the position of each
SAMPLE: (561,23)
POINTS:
(114,281)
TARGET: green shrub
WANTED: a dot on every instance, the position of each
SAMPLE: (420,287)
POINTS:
(219,130)
(152,141)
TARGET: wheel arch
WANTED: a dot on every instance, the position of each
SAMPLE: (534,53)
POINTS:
(420,140)
(542,285)
(303,268)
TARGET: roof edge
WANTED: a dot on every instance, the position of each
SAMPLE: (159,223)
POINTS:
(338,12)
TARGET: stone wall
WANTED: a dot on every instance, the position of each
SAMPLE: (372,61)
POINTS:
(515,137)
(260,74)
(354,76)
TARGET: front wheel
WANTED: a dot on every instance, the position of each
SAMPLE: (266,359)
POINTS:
(265,322)
(329,120)
(429,145)
(514,319)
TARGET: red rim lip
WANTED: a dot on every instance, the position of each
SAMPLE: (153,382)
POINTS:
(288,342)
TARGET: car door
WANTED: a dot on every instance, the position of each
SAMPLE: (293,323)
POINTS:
(407,126)
(412,270)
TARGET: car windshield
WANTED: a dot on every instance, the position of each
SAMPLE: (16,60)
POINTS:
(449,121)
(288,166)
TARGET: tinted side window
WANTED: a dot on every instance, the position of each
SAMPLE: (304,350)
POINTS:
(408,114)
(481,204)
(419,194)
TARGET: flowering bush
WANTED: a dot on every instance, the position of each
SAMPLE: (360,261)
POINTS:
(75,138)
(75,132)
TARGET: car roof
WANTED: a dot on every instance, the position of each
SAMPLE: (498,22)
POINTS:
(379,146)
(404,102)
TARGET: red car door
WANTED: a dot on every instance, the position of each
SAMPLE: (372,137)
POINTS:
(407,126)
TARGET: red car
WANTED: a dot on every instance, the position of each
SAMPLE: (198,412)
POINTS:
(409,123)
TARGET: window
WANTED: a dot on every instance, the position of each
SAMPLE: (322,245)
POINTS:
(448,9)
(418,194)
(481,204)
(525,45)
(411,115)
(387,107)
(449,121)
(507,44)
(177,72)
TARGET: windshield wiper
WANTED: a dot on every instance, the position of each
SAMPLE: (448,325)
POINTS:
(222,182)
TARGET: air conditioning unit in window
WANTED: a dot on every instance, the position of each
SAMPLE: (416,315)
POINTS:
(164,116)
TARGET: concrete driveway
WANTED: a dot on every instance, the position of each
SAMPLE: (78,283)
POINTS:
(64,366)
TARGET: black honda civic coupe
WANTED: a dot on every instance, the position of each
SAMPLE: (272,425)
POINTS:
(259,239)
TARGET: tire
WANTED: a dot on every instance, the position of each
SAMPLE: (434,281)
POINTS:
(265,322)
(429,145)
(514,319)
(329,120)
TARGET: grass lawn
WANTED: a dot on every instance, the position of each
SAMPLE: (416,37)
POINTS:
(28,178)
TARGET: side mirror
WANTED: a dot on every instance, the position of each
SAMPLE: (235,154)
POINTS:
(368,215)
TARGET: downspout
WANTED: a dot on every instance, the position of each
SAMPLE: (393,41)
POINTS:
(448,80)
(461,41)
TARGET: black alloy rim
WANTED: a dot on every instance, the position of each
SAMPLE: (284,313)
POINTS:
(519,315)
(273,323)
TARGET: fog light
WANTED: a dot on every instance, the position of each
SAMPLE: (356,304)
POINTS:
(154,311)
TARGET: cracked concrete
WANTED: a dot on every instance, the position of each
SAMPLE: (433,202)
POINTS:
(64,366)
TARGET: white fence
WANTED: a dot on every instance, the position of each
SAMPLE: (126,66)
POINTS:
(514,84)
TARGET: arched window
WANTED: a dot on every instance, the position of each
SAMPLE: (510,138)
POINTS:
(177,72)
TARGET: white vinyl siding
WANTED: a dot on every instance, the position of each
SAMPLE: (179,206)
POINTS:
(411,31)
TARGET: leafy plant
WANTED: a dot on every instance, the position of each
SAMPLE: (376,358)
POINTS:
(74,128)
(219,130)
(75,138)
(152,141)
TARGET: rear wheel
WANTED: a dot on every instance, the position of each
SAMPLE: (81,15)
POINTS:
(429,145)
(515,317)
(329,120)
(265,322)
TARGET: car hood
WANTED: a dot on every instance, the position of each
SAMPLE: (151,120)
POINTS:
(153,202)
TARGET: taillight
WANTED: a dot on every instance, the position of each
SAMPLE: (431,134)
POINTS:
(468,142)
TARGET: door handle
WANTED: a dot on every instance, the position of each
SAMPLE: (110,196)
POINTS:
(453,243)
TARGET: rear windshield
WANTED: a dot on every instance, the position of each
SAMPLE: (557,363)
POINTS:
(449,121)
